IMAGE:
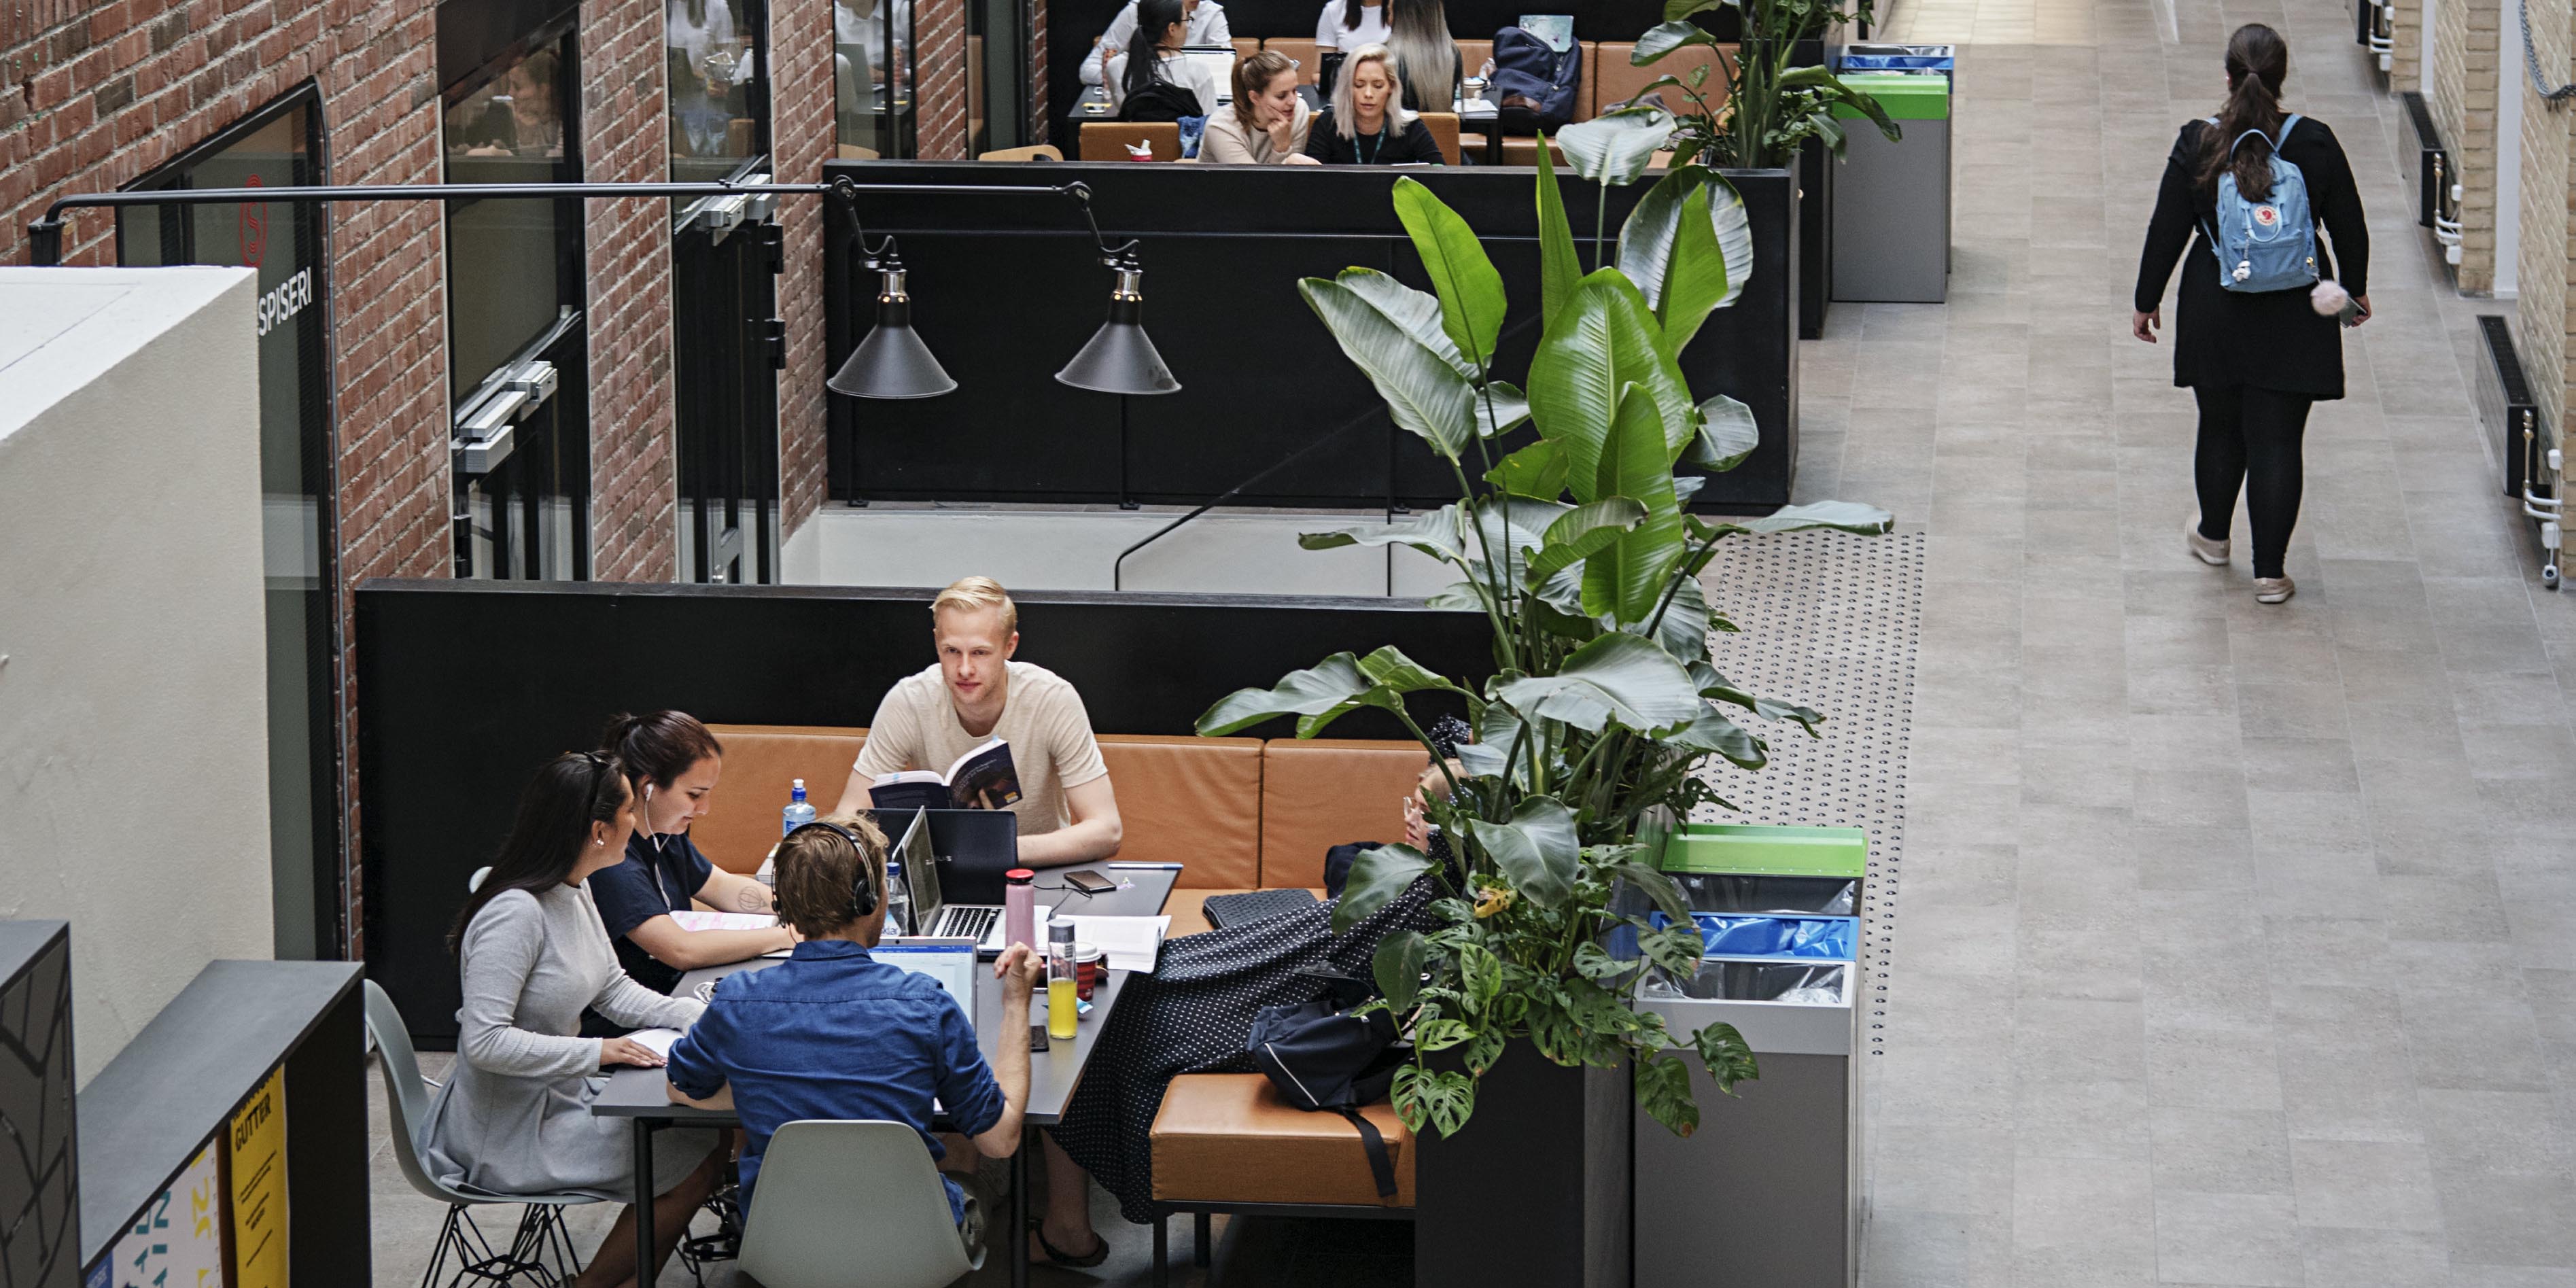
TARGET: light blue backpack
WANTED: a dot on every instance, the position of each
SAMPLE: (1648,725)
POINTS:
(2267,245)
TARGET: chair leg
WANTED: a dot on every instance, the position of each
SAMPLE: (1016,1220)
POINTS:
(1199,1224)
(1162,1250)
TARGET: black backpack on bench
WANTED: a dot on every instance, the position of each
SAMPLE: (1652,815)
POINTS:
(1322,1057)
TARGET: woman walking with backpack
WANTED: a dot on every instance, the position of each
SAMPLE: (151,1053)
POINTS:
(2258,339)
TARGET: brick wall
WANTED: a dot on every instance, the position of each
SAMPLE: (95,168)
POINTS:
(2406,47)
(2543,322)
(1040,128)
(625,127)
(801,132)
(939,66)
(2463,102)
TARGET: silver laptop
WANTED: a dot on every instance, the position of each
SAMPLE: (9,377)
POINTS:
(933,916)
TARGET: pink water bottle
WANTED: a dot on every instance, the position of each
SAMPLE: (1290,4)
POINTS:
(1019,909)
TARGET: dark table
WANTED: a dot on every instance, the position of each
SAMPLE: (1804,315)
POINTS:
(1479,115)
(644,1095)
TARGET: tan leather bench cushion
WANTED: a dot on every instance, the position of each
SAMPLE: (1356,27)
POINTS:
(760,761)
(1191,801)
(1108,140)
(1321,792)
(1309,63)
(1228,1138)
(1618,81)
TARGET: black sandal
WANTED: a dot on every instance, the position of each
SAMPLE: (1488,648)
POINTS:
(1054,1255)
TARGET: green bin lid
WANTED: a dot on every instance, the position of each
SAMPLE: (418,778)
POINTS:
(1907,96)
(1752,850)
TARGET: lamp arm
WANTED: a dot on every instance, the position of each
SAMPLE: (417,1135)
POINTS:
(1081,194)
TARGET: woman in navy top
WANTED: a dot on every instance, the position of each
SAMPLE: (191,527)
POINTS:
(673,762)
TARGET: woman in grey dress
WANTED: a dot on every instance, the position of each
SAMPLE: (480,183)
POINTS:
(515,1116)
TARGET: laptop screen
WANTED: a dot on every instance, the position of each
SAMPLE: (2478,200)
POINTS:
(1219,60)
(920,871)
(950,961)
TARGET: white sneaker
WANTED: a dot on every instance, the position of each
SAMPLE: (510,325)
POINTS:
(2273,590)
(2202,548)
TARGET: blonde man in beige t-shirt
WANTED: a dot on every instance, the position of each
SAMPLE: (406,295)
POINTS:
(975,692)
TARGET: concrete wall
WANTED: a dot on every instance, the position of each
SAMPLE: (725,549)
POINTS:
(133,656)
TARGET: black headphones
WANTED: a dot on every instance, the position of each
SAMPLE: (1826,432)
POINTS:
(863,891)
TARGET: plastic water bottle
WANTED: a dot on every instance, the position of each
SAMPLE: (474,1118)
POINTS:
(1019,908)
(798,813)
(898,902)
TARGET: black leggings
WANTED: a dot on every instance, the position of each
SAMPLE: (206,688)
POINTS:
(2250,436)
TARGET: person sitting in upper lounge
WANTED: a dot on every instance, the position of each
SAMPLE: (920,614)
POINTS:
(1267,123)
(673,761)
(1367,123)
(1206,20)
(832,1033)
(975,692)
(1152,80)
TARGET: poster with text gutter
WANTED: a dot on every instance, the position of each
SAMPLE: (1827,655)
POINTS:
(258,1186)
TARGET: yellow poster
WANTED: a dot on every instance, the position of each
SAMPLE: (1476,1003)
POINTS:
(258,1138)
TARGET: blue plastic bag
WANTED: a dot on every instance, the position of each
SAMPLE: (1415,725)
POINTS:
(1729,935)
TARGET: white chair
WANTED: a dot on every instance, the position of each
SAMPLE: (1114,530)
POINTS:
(540,1253)
(838,1195)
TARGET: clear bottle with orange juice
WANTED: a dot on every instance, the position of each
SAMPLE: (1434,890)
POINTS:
(1063,980)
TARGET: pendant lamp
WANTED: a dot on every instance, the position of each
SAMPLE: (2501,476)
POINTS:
(1120,359)
(891,362)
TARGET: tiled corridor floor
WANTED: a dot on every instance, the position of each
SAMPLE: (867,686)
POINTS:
(2239,943)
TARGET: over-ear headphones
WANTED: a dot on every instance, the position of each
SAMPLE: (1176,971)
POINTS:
(863,888)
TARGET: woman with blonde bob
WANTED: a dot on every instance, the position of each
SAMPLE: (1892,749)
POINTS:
(1367,123)
(1269,123)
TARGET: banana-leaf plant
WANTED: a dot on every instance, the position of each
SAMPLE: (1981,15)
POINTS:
(1603,702)
(1770,108)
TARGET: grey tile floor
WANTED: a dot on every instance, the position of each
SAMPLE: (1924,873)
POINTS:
(2236,945)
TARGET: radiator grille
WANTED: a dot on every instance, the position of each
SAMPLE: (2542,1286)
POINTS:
(2505,403)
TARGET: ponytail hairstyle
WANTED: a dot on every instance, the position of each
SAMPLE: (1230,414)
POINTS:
(1418,35)
(2257,60)
(659,747)
(1252,77)
(1351,11)
(1144,46)
(572,792)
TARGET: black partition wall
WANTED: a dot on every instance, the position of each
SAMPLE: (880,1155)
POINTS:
(1005,290)
(466,687)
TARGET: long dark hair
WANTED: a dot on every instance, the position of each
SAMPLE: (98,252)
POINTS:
(1351,14)
(571,792)
(659,746)
(1418,33)
(2257,60)
(1144,55)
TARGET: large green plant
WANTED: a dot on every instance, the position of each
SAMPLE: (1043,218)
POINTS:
(1580,554)
(1771,108)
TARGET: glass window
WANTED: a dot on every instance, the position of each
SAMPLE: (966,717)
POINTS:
(513,267)
(276,148)
(872,76)
(719,88)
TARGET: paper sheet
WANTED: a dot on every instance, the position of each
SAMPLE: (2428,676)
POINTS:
(657,1041)
(1130,943)
(694,919)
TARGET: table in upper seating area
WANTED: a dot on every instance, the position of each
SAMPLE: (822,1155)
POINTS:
(1479,114)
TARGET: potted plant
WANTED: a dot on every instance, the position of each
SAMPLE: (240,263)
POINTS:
(1774,114)
(1602,706)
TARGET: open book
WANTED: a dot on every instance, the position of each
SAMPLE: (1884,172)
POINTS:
(983,778)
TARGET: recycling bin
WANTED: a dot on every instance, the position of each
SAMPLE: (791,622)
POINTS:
(1892,199)
(1767,1191)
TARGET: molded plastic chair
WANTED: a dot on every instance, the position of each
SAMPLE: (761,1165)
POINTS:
(838,1195)
(540,1252)
(1039,152)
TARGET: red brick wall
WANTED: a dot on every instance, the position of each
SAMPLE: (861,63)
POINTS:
(802,137)
(625,129)
(939,64)
(1041,129)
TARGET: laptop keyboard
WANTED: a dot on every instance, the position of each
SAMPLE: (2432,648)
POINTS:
(968,923)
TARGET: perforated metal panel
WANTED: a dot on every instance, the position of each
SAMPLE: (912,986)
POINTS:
(1831,621)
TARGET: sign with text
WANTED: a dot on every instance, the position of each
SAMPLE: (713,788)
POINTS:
(258,1141)
(178,1240)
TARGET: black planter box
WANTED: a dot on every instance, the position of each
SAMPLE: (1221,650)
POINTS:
(1815,238)
(1536,1188)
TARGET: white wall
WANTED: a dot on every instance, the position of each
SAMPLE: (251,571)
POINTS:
(1223,552)
(133,697)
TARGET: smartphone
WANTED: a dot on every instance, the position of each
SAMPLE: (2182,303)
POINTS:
(1037,1037)
(1089,882)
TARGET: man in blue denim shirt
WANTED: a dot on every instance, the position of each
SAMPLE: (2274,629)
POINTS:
(832,1034)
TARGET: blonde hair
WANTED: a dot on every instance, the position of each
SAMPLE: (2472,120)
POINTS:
(975,594)
(1346,113)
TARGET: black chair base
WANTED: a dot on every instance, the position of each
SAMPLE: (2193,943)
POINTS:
(1200,1212)
(539,1240)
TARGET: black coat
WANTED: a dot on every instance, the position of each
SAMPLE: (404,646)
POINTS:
(1389,146)
(2268,339)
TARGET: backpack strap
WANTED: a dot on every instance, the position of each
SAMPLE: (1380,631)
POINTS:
(1381,1166)
(2275,140)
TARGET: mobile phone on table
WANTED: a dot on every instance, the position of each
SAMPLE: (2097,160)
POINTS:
(1037,1037)
(1089,882)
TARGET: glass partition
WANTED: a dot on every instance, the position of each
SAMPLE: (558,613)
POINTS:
(715,51)
(872,77)
(513,267)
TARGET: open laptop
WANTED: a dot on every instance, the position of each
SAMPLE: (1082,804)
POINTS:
(1220,61)
(976,849)
(932,915)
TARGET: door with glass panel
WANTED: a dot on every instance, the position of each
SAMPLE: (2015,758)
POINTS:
(518,345)
(280,146)
(727,340)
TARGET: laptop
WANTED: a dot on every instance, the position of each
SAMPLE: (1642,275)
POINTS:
(976,849)
(1220,61)
(950,961)
(932,915)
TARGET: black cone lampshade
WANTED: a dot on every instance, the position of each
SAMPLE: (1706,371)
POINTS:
(891,362)
(1120,359)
